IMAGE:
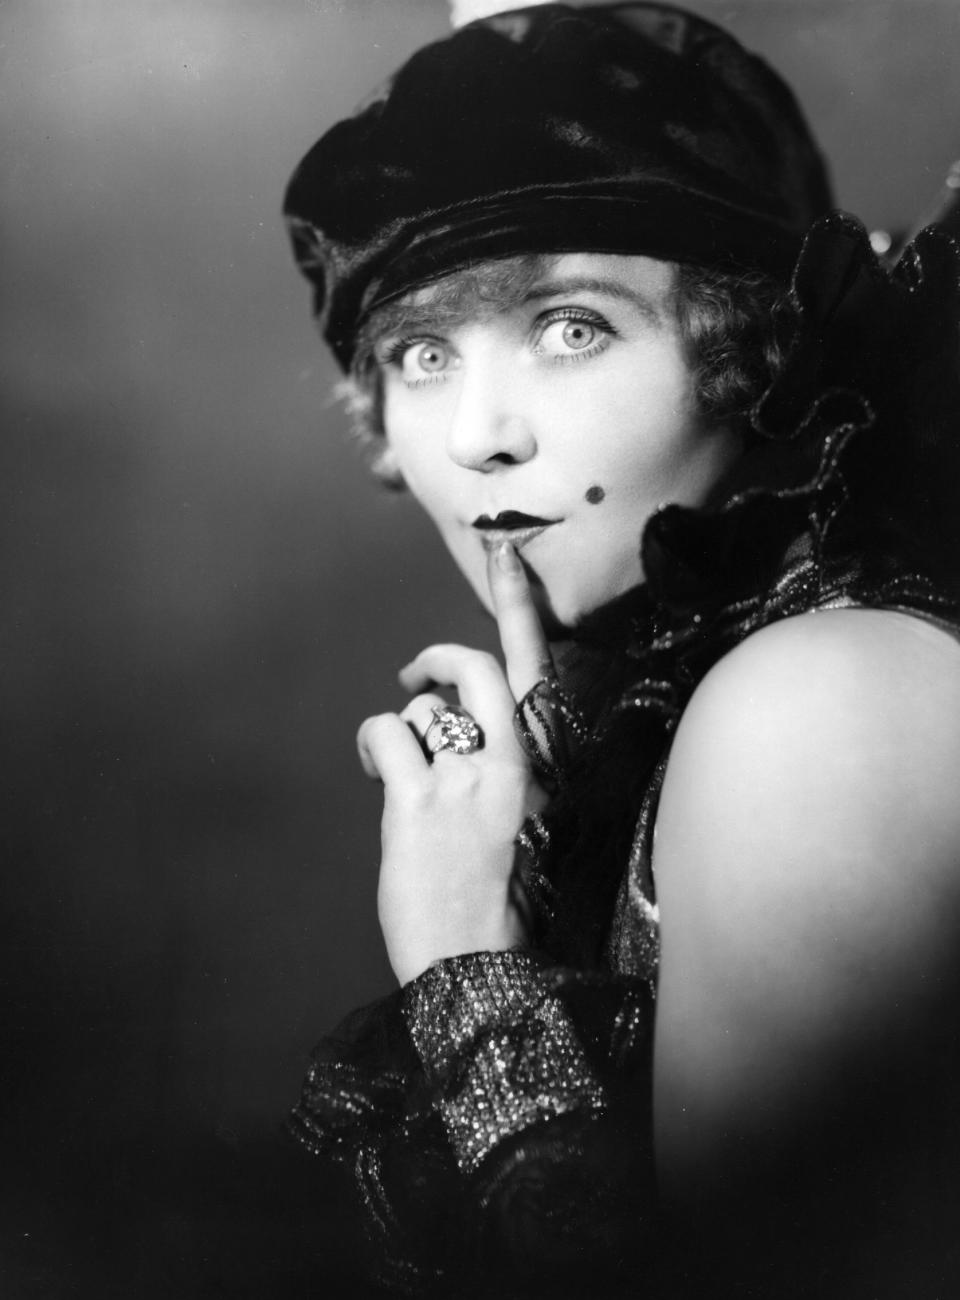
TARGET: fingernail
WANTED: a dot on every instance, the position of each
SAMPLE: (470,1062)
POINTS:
(508,561)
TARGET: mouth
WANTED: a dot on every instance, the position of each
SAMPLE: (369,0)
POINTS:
(510,526)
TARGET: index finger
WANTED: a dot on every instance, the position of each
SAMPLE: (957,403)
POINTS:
(526,653)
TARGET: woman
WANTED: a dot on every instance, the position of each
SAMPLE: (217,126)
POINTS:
(684,438)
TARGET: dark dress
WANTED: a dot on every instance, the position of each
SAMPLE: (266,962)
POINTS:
(496,1111)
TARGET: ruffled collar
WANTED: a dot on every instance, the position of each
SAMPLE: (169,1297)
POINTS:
(845,496)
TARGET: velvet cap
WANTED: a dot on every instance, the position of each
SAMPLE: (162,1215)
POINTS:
(623,128)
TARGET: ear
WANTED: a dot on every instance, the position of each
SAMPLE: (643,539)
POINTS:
(386,468)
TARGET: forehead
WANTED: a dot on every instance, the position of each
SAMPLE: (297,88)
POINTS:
(644,282)
(487,289)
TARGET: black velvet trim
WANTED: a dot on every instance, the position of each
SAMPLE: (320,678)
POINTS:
(663,219)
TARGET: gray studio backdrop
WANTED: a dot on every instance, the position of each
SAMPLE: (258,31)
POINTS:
(204,592)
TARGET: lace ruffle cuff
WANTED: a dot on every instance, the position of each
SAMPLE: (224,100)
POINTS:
(499,1047)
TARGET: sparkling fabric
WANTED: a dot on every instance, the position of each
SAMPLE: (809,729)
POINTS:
(523,1061)
(550,728)
(496,1112)
(634,944)
(484,1110)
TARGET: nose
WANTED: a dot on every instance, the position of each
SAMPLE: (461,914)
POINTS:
(492,424)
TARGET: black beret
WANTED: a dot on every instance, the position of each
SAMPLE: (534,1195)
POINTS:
(624,128)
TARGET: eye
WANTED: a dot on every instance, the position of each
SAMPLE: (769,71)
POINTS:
(427,358)
(578,334)
(419,361)
(572,334)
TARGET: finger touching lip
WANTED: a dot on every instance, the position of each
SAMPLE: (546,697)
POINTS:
(525,649)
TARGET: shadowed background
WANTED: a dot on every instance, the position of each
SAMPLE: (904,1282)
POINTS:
(204,594)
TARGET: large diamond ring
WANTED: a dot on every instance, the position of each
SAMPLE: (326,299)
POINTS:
(452,728)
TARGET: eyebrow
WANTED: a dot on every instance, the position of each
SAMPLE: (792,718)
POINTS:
(408,320)
(612,288)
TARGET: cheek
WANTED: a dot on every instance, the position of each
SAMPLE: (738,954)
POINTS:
(426,478)
(407,450)
(653,430)
(415,445)
(432,500)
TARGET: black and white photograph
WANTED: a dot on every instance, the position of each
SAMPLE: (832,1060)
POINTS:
(480,650)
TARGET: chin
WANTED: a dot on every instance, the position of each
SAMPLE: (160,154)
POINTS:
(557,623)
(561,612)
(562,616)
(558,619)
(561,608)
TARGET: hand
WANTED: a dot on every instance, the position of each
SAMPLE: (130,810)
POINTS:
(449,824)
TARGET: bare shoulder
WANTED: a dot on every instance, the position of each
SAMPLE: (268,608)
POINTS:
(852,715)
(807,856)
(836,663)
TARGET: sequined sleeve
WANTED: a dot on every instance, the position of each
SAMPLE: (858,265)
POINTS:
(495,1115)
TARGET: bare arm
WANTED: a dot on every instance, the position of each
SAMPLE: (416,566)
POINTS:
(808,869)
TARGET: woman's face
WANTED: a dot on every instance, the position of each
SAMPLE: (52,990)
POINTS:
(561,423)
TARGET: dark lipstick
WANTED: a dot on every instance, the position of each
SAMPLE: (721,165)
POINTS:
(511,519)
